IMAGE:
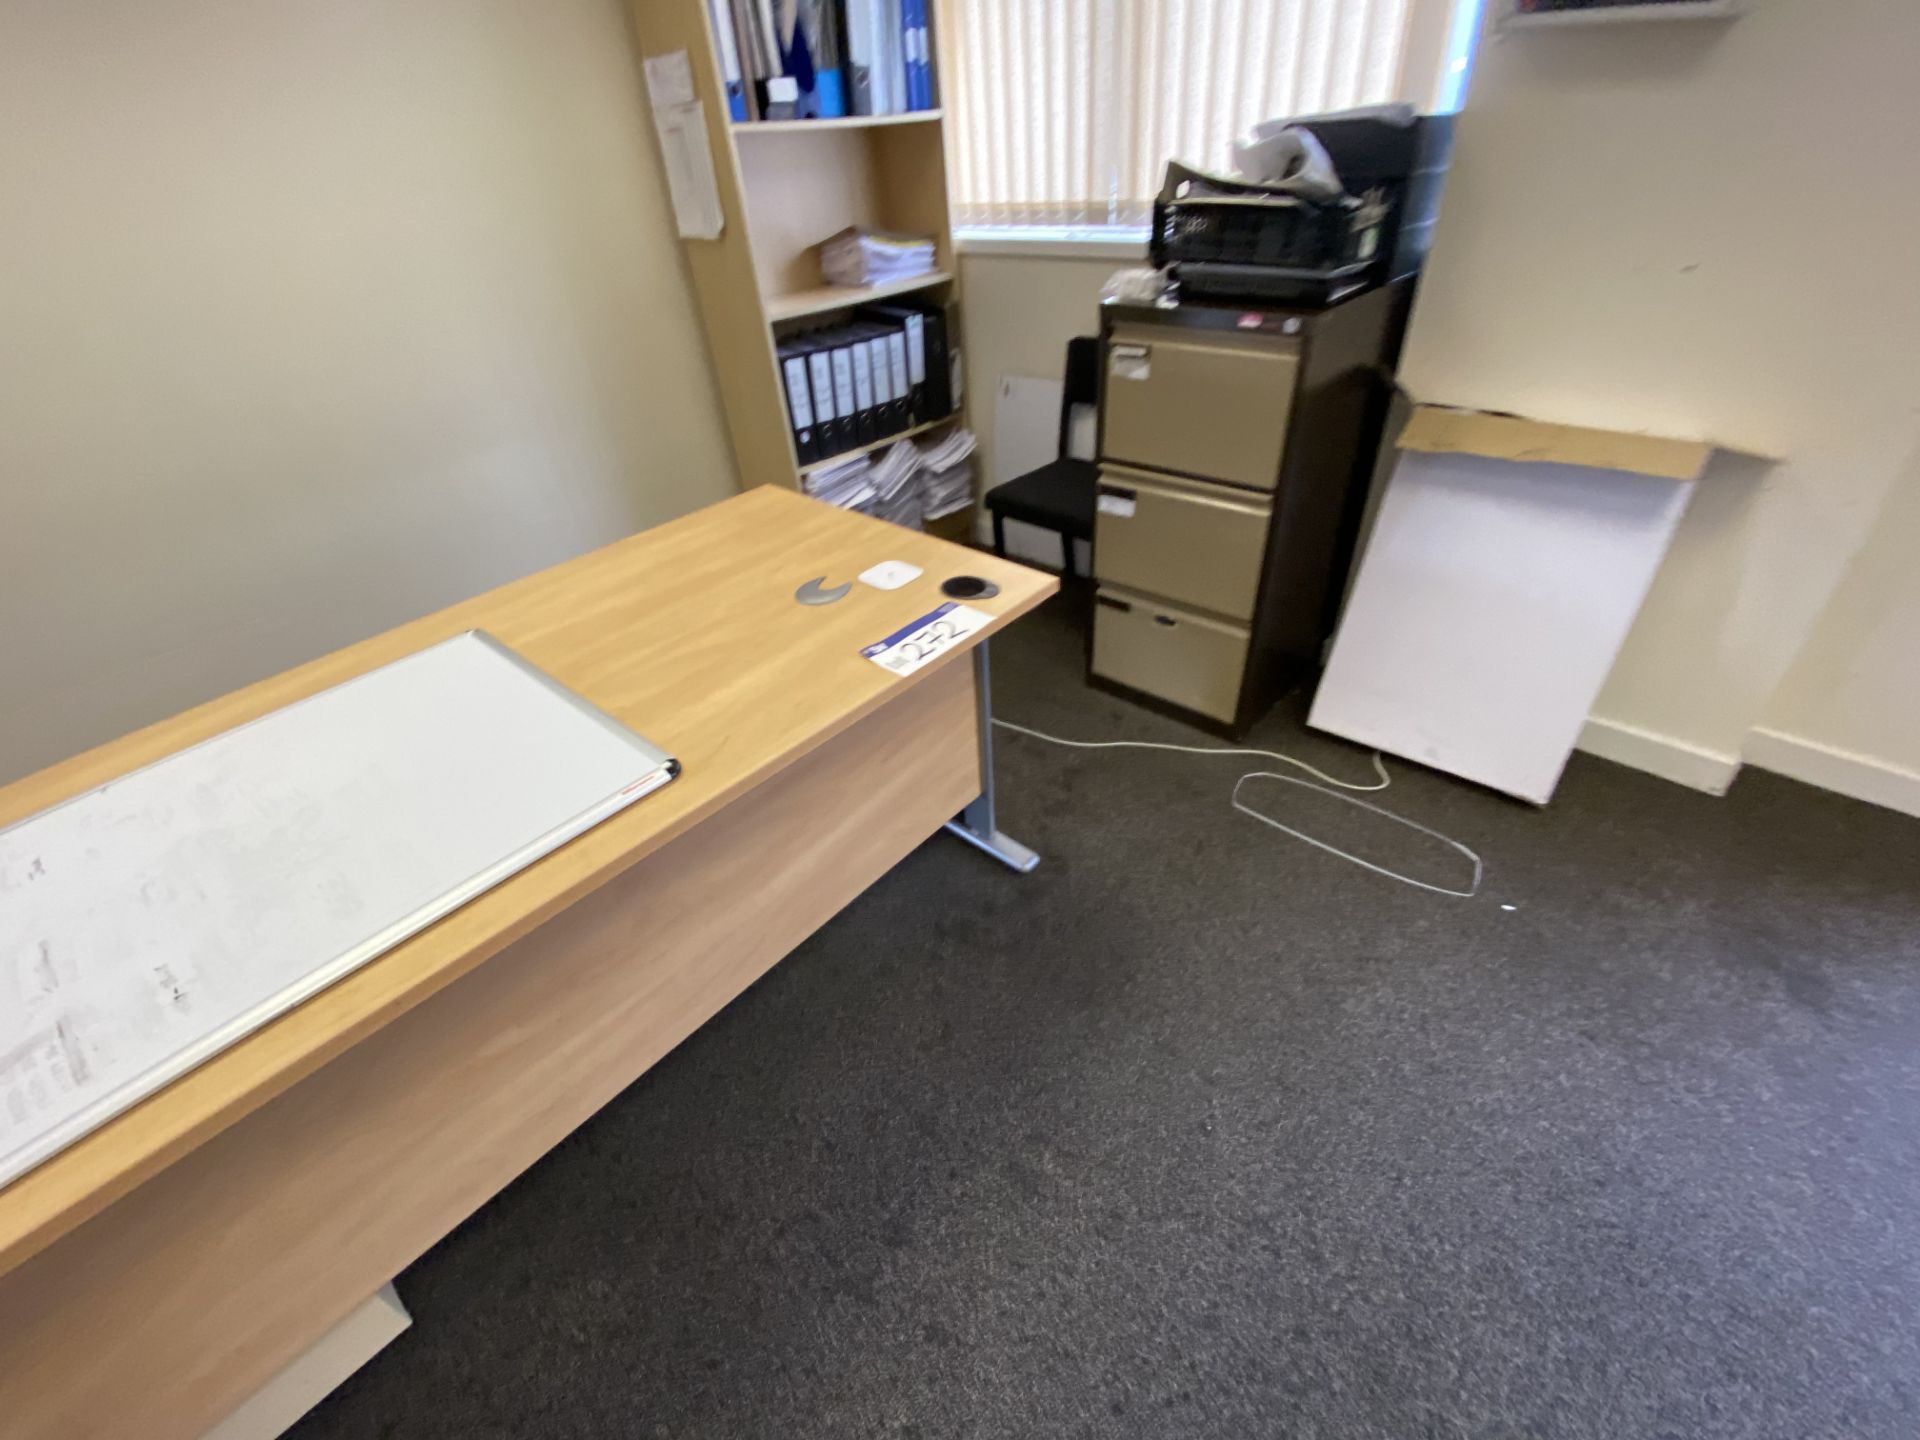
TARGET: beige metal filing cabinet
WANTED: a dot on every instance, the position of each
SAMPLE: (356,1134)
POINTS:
(1235,446)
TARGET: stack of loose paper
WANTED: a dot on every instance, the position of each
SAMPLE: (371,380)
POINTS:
(850,486)
(948,470)
(896,481)
(868,257)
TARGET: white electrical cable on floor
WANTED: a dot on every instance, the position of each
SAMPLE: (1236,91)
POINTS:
(1338,785)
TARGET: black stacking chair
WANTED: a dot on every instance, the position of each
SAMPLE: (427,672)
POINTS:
(1059,495)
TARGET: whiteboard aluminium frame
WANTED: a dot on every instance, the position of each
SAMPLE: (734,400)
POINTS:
(664,768)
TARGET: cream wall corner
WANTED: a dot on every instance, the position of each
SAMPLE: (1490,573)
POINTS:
(1847,715)
(1021,312)
(316,318)
(1613,251)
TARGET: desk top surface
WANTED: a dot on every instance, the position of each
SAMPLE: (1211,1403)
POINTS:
(688,632)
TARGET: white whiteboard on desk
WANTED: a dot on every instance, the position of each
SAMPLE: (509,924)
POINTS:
(150,923)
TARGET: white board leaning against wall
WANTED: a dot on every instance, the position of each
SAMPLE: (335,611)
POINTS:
(1506,562)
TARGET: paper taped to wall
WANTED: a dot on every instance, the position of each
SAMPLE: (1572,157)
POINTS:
(685,152)
(670,79)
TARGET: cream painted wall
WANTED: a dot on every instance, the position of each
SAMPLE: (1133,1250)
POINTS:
(1855,688)
(1706,230)
(315,316)
(1020,311)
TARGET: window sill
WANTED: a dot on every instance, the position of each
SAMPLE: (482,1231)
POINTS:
(1056,242)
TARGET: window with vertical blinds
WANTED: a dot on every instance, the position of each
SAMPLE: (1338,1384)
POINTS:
(1065,112)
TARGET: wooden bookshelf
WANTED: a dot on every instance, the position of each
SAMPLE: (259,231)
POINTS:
(822,298)
(844,122)
(785,186)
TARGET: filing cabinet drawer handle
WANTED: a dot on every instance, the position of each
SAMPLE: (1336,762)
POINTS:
(1112,604)
(1166,620)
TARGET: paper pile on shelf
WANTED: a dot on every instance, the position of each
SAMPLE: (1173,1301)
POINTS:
(948,470)
(850,485)
(908,484)
(896,483)
(868,257)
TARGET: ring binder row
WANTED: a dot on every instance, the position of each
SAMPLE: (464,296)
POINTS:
(822,59)
(888,369)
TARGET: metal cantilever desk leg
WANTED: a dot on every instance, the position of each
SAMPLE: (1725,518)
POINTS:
(975,824)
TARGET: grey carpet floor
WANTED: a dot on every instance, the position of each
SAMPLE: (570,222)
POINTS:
(1197,1132)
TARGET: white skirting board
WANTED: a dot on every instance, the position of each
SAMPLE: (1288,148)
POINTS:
(273,1408)
(1661,755)
(1858,776)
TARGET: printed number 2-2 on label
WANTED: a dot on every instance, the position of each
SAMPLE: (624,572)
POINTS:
(920,642)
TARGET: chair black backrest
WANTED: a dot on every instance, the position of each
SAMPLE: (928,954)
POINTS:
(1082,385)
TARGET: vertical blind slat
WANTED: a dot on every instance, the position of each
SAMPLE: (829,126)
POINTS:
(1058,106)
(1057,103)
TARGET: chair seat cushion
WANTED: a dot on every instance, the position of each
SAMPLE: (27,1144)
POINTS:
(1059,496)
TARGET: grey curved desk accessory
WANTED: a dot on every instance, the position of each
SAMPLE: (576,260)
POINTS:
(811,593)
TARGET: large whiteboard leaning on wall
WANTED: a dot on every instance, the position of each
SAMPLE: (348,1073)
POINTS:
(1506,562)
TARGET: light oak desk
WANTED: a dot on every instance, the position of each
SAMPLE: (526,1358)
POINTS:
(162,1270)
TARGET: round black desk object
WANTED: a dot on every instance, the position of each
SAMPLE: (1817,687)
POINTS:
(968,587)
